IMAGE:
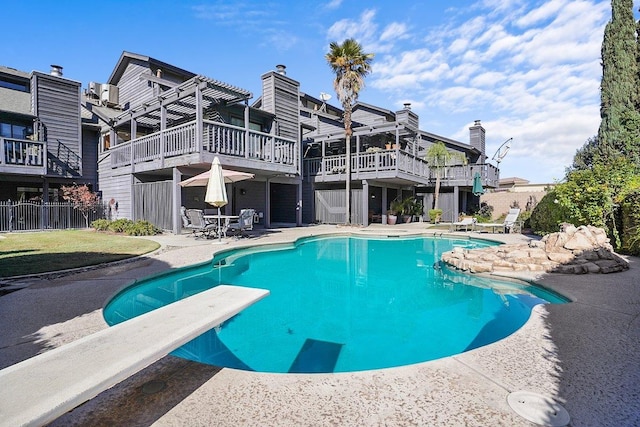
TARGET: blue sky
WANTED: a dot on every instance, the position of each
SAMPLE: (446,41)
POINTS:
(530,70)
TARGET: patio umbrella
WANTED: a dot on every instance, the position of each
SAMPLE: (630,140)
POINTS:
(216,192)
(477,185)
(202,179)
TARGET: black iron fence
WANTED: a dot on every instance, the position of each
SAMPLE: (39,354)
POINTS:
(33,216)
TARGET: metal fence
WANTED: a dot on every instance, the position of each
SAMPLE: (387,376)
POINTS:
(33,216)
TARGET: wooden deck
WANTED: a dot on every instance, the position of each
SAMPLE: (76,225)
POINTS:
(264,149)
(389,164)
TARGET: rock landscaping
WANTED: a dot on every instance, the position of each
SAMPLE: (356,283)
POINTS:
(574,250)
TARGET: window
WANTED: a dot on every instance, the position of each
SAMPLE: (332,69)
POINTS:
(236,121)
(14,84)
(14,130)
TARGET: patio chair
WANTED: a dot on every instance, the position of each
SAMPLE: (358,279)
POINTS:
(245,222)
(467,223)
(198,224)
(509,225)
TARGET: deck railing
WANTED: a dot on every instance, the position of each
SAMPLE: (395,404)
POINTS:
(22,155)
(217,137)
(398,161)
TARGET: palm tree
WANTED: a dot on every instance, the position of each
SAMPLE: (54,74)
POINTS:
(438,157)
(350,65)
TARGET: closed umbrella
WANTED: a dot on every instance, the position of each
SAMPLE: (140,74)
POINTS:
(216,192)
(477,185)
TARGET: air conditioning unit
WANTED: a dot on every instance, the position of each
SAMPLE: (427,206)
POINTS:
(95,89)
(109,95)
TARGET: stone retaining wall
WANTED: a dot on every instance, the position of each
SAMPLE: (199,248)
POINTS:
(575,250)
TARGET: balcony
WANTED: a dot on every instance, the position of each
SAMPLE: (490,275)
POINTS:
(249,148)
(394,165)
(22,156)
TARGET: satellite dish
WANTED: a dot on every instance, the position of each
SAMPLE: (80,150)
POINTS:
(325,96)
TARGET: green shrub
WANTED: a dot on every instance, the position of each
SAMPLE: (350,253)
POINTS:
(101,224)
(547,216)
(120,225)
(631,223)
(525,217)
(142,228)
(484,213)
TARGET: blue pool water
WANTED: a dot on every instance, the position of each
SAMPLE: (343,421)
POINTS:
(342,304)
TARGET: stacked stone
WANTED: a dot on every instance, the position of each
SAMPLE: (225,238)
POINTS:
(575,250)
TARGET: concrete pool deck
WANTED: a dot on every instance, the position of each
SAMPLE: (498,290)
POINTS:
(585,354)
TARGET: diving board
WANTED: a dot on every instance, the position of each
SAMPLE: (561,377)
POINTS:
(42,388)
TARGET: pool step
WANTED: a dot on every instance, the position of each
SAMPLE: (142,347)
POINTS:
(42,388)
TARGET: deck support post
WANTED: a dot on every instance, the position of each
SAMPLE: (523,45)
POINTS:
(163,127)
(384,204)
(365,202)
(176,201)
(246,130)
(199,119)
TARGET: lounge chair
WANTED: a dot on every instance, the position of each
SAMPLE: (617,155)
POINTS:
(198,224)
(467,223)
(509,225)
(245,222)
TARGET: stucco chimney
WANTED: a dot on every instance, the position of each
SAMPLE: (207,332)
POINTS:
(56,70)
(477,139)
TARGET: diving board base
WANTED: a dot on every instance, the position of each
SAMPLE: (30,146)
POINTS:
(40,389)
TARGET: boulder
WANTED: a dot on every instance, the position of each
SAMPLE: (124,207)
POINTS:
(575,250)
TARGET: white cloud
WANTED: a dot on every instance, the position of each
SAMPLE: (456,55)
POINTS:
(333,4)
(533,73)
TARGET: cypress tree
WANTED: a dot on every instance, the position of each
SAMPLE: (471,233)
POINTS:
(619,131)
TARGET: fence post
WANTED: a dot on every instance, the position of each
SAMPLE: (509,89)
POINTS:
(10,206)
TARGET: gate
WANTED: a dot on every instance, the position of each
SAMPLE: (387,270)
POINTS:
(153,202)
(330,208)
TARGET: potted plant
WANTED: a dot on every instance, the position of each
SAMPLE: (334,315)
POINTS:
(411,207)
(435,215)
(395,209)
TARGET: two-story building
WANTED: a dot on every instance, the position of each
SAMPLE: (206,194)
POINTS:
(166,124)
(152,125)
(43,144)
(388,152)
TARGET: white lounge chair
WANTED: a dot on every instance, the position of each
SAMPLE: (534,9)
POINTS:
(466,223)
(510,223)
(245,222)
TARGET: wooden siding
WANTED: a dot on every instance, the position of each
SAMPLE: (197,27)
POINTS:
(57,105)
(153,202)
(368,116)
(330,206)
(115,185)
(132,89)
(280,96)
(90,141)
(323,125)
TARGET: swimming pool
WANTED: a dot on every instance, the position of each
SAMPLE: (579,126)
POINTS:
(342,303)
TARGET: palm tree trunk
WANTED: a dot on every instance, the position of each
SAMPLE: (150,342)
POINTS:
(348,181)
(437,191)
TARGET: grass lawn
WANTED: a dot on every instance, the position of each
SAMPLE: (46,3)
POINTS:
(28,253)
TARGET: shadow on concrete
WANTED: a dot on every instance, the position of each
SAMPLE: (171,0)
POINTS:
(57,308)
(598,368)
(144,397)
